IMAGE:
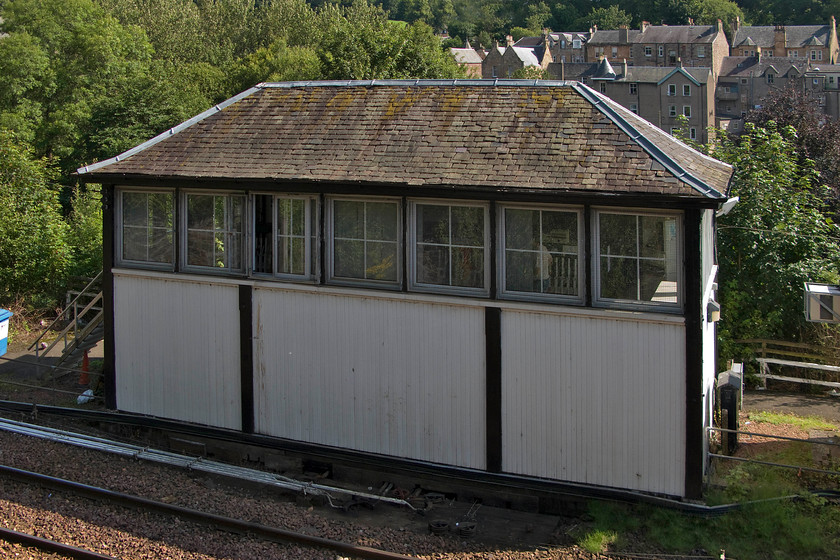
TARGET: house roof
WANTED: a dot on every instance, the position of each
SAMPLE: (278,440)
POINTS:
(611,36)
(496,135)
(465,55)
(657,74)
(796,36)
(746,66)
(530,56)
(697,34)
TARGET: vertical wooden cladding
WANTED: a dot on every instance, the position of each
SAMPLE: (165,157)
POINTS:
(594,400)
(384,376)
(177,350)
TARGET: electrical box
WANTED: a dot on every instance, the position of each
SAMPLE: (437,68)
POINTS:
(822,303)
(5,315)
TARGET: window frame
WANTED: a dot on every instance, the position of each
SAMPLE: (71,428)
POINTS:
(329,242)
(686,90)
(672,110)
(311,236)
(672,90)
(119,227)
(686,111)
(634,304)
(412,242)
(634,89)
(501,261)
(183,233)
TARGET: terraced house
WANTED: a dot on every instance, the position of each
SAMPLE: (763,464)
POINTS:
(507,281)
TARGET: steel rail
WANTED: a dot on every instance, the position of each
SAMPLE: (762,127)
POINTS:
(219,521)
(51,546)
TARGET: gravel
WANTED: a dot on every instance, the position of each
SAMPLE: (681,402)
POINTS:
(131,534)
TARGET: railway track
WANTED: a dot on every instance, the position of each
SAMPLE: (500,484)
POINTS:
(182,513)
(48,545)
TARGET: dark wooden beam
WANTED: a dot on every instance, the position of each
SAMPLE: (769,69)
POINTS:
(493,349)
(246,356)
(693,358)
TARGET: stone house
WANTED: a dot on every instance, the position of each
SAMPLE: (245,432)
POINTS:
(816,43)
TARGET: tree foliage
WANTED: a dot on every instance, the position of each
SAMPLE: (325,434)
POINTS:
(776,238)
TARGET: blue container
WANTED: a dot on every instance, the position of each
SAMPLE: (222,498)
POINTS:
(5,315)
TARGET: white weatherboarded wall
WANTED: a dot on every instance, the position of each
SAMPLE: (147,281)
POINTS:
(374,374)
(177,349)
(594,400)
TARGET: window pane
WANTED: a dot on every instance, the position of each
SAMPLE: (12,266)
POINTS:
(147,227)
(618,278)
(291,236)
(365,243)
(654,284)
(348,219)
(291,253)
(381,261)
(521,228)
(381,221)
(468,267)
(618,234)
(519,271)
(468,226)
(652,241)
(432,224)
(200,248)
(433,264)
(349,258)
(214,231)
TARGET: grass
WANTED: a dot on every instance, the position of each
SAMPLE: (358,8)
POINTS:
(802,422)
(803,528)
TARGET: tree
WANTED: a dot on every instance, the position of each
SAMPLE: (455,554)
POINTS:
(611,17)
(34,254)
(776,238)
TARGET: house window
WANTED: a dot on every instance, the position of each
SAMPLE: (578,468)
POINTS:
(541,252)
(364,240)
(687,90)
(633,89)
(615,52)
(660,51)
(672,110)
(687,111)
(675,130)
(285,241)
(576,43)
(813,55)
(692,133)
(450,247)
(495,72)
(214,231)
(770,78)
(793,54)
(743,80)
(147,228)
(603,87)
(701,51)
(638,259)
(672,89)
(648,51)
(634,107)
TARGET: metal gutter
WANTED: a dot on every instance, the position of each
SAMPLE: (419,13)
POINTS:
(164,135)
(652,149)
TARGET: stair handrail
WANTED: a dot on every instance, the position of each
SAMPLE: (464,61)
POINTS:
(66,309)
(65,330)
(79,338)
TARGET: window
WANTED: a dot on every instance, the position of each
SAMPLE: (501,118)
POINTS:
(793,54)
(633,89)
(648,51)
(687,111)
(603,87)
(638,259)
(675,130)
(576,43)
(770,78)
(450,247)
(541,251)
(743,80)
(634,107)
(672,110)
(285,241)
(672,89)
(701,51)
(813,55)
(615,52)
(365,239)
(146,222)
(495,72)
(214,231)
(660,51)
(692,133)
(672,56)
(686,90)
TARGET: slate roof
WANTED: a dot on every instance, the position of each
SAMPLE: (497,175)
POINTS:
(465,55)
(612,37)
(695,34)
(655,74)
(796,36)
(747,66)
(530,56)
(500,136)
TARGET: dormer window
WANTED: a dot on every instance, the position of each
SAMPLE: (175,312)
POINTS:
(771,78)
(576,44)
